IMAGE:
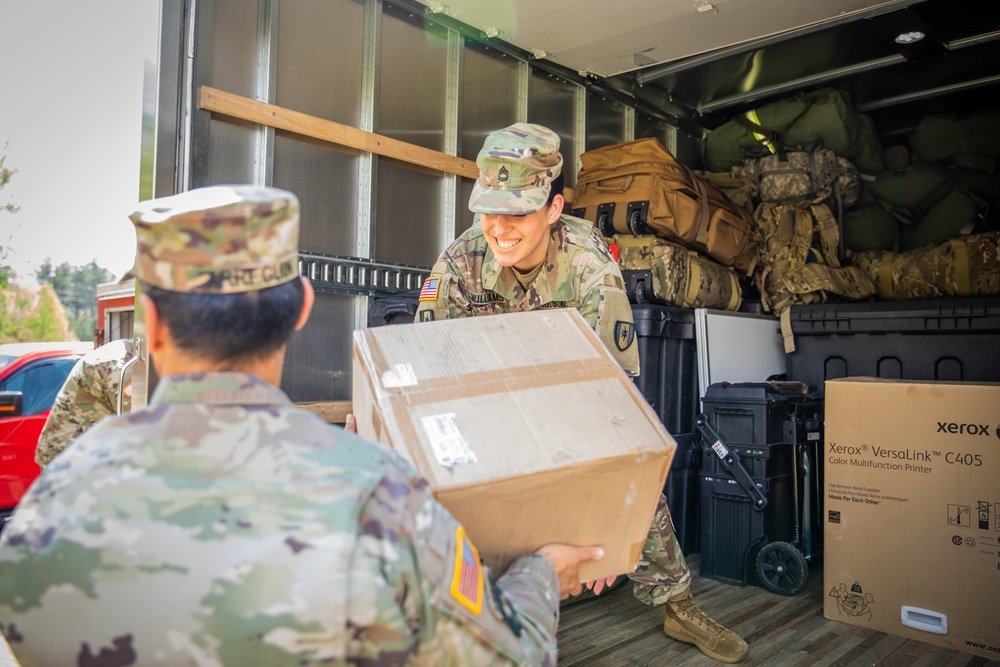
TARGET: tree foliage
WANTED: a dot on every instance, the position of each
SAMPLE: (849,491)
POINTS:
(76,287)
(6,273)
(28,315)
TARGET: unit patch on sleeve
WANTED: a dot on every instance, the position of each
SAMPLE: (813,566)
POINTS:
(624,334)
(467,582)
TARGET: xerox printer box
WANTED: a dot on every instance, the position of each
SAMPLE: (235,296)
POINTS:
(912,510)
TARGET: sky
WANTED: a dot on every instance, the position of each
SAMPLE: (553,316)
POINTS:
(70,116)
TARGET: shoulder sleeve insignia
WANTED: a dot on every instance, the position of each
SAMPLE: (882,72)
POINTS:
(624,335)
(429,292)
(426,315)
(467,581)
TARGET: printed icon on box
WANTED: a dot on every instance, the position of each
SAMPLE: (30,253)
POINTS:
(855,602)
(970,541)
(983,510)
(959,515)
(833,516)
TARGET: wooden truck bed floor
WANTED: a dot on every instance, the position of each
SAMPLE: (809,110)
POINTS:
(616,630)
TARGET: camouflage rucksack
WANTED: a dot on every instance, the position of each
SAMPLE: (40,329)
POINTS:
(798,262)
(677,276)
(804,177)
(963,266)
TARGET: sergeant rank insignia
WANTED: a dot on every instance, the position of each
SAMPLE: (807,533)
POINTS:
(467,581)
(624,335)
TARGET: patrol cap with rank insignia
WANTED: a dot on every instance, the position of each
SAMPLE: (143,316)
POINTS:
(516,168)
(218,240)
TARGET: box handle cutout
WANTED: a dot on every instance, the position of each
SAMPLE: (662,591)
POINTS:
(924,619)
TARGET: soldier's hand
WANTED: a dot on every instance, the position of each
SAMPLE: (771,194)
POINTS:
(566,560)
(600,584)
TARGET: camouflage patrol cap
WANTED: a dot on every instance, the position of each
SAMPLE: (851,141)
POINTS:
(218,240)
(516,168)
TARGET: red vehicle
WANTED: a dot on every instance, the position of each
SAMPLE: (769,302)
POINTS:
(31,375)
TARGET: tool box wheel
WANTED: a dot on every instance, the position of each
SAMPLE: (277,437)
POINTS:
(782,568)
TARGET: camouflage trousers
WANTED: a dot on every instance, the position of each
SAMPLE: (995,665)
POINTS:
(662,573)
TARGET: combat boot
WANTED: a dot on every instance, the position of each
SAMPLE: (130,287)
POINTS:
(686,622)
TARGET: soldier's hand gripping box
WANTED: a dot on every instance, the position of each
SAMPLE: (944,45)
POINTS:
(912,510)
(526,427)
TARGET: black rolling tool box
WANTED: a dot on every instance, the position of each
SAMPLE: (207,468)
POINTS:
(761,484)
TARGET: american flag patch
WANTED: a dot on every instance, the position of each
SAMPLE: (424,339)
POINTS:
(467,583)
(429,292)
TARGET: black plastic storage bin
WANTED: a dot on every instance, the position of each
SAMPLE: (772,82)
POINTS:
(668,364)
(935,339)
(681,491)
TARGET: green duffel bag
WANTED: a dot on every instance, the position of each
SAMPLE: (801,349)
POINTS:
(869,227)
(959,213)
(826,116)
(963,266)
(679,276)
(937,202)
(969,139)
(911,192)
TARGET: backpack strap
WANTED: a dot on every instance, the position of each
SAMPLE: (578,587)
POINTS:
(829,234)
(770,139)
(963,272)
(885,287)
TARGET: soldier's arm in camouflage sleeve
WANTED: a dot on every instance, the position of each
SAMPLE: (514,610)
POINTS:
(443,294)
(604,304)
(80,403)
(457,616)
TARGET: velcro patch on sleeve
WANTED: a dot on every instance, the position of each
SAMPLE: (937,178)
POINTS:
(467,581)
(429,292)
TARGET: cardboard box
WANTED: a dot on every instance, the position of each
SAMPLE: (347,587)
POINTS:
(912,531)
(526,427)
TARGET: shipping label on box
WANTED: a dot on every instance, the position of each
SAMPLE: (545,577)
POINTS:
(526,428)
(912,510)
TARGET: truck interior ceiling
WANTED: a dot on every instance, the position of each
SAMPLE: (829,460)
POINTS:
(699,62)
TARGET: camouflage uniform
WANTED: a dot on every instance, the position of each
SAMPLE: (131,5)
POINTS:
(577,272)
(221,525)
(89,394)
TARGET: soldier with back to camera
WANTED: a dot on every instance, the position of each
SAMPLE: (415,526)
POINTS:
(222,525)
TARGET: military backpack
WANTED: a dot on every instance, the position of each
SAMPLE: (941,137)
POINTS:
(804,177)
(799,261)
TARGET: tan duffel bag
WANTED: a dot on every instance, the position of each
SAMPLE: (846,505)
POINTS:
(638,187)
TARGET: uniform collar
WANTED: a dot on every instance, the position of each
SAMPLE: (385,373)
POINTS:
(219,388)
